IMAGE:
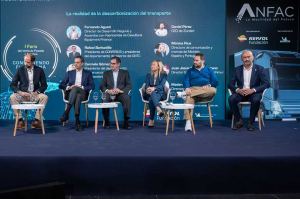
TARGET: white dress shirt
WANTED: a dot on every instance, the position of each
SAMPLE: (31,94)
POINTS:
(78,78)
(30,78)
(247,76)
(115,76)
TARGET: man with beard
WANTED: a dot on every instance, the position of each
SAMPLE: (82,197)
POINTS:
(200,84)
(247,84)
(29,84)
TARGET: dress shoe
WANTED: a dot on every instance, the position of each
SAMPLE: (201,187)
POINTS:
(237,125)
(36,124)
(161,114)
(21,124)
(78,126)
(64,118)
(250,127)
(126,125)
(107,125)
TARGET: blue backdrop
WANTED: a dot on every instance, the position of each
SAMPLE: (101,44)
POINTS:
(107,28)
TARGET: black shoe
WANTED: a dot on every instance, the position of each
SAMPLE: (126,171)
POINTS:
(126,126)
(78,126)
(107,125)
(237,125)
(250,127)
(64,118)
(161,114)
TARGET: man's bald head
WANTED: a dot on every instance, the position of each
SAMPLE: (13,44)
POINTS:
(247,58)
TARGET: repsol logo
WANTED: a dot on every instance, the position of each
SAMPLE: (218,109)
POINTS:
(258,39)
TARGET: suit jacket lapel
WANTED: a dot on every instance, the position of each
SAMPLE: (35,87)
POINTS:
(83,77)
(119,78)
(253,75)
(35,75)
(73,77)
(26,74)
(242,75)
(111,78)
(152,79)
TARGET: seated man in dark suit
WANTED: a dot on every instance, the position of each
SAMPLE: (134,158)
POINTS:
(77,85)
(29,84)
(248,83)
(116,84)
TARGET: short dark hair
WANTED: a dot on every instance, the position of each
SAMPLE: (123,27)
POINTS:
(32,57)
(116,58)
(201,55)
(79,57)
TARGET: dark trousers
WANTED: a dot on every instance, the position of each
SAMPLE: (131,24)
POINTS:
(124,99)
(75,96)
(236,98)
(153,99)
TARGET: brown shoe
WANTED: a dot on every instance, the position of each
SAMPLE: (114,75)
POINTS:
(21,124)
(36,124)
(237,125)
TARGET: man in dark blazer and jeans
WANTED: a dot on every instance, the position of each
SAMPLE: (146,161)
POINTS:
(247,84)
(116,83)
(29,84)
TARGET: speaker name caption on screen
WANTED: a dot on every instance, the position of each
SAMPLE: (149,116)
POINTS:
(106,33)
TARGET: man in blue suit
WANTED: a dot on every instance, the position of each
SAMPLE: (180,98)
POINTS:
(247,84)
(77,85)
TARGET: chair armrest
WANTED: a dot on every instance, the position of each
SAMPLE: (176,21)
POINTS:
(141,94)
(229,91)
(64,95)
(88,99)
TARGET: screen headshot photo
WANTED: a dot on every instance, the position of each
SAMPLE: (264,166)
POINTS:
(161,49)
(166,68)
(73,51)
(161,29)
(73,32)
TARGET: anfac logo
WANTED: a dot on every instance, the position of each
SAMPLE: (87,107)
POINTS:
(246,7)
(265,12)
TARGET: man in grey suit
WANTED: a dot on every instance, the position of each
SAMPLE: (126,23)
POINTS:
(116,86)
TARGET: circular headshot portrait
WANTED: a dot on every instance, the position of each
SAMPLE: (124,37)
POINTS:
(73,32)
(161,29)
(166,68)
(161,49)
(73,51)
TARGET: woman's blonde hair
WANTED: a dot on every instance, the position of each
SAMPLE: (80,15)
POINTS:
(160,67)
